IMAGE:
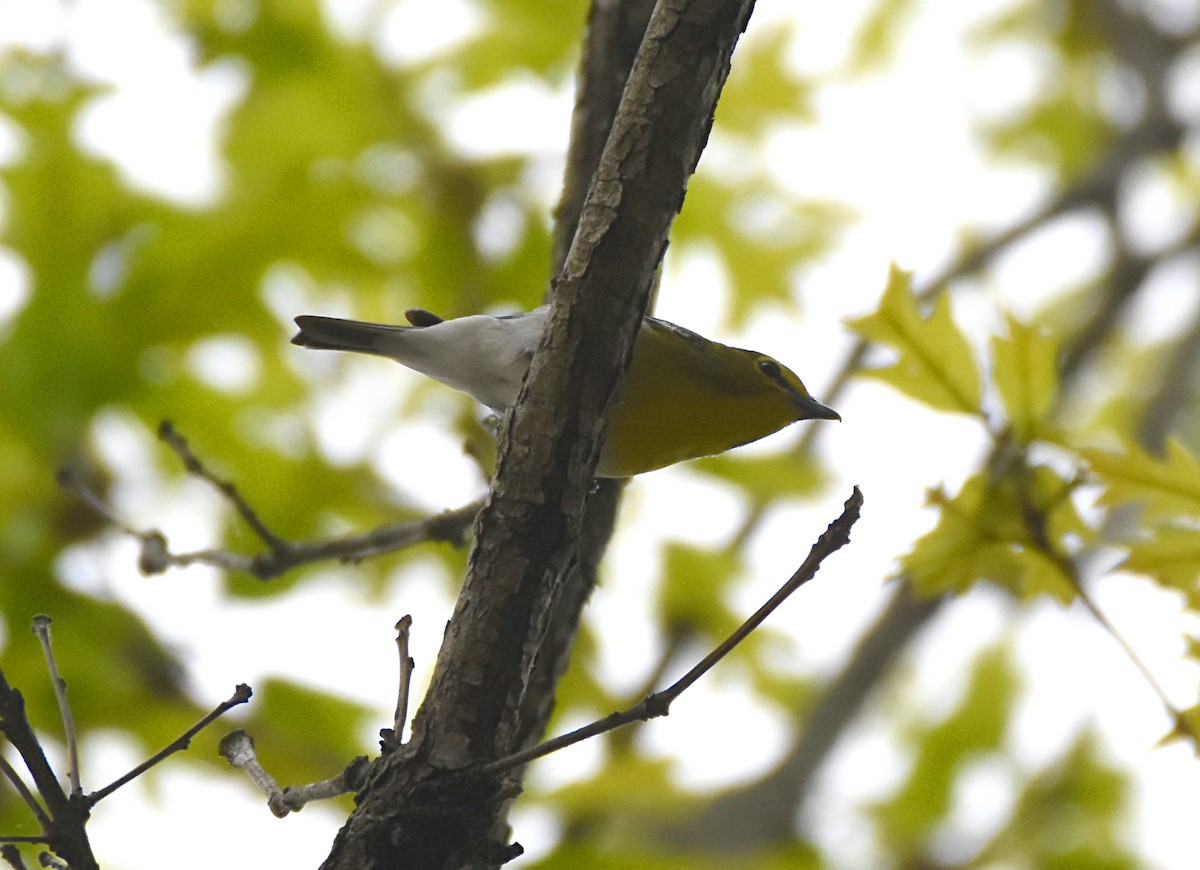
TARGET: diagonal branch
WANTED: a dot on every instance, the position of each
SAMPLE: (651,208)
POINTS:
(241,695)
(659,703)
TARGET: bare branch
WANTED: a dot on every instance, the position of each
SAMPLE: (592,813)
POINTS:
(14,779)
(64,819)
(15,726)
(743,818)
(282,555)
(348,781)
(171,437)
(241,694)
(237,747)
(658,704)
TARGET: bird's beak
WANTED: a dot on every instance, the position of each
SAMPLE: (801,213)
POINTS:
(811,409)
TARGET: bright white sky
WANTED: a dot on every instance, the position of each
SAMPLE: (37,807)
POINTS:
(899,147)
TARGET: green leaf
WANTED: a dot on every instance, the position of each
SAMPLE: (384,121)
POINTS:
(693,590)
(976,726)
(1068,817)
(761,231)
(1171,555)
(761,88)
(1187,727)
(876,42)
(765,479)
(935,364)
(998,529)
(1168,487)
(1026,374)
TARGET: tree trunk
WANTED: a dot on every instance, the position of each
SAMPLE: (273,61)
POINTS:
(422,806)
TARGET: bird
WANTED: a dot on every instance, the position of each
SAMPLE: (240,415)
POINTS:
(684,395)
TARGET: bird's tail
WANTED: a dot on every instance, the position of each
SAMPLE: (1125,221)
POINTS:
(333,333)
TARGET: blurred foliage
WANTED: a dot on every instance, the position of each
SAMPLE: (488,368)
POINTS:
(342,192)
(941,752)
(934,364)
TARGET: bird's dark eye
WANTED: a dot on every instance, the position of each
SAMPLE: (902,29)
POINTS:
(770,368)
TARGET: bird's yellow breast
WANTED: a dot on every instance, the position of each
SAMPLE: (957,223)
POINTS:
(684,397)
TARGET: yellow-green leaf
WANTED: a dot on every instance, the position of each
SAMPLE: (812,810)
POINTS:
(988,532)
(976,726)
(879,35)
(1187,727)
(1172,557)
(693,591)
(1167,486)
(762,87)
(765,478)
(1026,374)
(935,364)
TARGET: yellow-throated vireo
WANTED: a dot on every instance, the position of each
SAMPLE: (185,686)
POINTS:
(684,396)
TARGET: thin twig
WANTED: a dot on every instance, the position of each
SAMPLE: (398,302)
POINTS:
(658,704)
(237,747)
(41,628)
(171,437)
(15,726)
(70,479)
(1180,721)
(31,801)
(1035,523)
(241,694)
(282,555)
(348,781)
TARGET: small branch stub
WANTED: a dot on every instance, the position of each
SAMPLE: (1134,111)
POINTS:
(237,748)
(393,737)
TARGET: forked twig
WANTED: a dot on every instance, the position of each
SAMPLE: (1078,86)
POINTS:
(282,555)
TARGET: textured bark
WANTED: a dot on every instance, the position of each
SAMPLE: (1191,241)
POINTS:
(422,806)
(615,31)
